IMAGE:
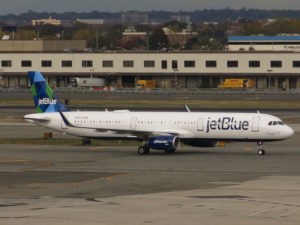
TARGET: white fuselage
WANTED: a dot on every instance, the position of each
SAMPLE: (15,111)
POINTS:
(184,125)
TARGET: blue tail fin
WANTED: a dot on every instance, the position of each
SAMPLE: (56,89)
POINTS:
(43,96)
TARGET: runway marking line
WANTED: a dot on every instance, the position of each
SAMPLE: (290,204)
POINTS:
(255,213)
(99,148)
(14,161)
(182,98)
(284,214)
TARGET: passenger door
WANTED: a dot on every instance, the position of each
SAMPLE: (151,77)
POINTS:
(200,124)
(255,124)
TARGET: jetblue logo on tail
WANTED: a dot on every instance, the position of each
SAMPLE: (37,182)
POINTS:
(43,96)
(47,101)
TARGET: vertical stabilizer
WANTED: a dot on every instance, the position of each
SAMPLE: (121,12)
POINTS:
(43,96)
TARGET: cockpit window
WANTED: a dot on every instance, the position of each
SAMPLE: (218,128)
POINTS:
(274,123)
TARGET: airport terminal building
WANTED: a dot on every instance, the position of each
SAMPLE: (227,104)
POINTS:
(173,69)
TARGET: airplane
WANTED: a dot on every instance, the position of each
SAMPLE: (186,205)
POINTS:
(156,130)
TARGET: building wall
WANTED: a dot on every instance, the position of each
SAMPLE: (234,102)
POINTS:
(60,45)
(139,58)
(270,47)
(157,72)
(21,46)
(41,45)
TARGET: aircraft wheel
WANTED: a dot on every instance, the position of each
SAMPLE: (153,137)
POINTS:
(261,152)
(143,150)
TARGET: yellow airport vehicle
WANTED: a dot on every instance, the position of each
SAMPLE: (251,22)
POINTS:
(146,84)
(237,83)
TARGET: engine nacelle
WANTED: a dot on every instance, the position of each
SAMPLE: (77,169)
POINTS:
(165,143)
(199,143)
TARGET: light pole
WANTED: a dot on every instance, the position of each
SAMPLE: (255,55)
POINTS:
(147,39)
(92,70)
(269,82)
(97,41)
(175,78)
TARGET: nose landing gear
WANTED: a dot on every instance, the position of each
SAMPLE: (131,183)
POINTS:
(261,150)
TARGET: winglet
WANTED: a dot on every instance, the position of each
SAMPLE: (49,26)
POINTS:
(187,108)
(68,124)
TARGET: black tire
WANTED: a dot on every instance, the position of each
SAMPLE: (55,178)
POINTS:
(143,150)
(86,141)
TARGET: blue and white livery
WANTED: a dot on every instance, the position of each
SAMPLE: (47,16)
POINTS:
(157,130)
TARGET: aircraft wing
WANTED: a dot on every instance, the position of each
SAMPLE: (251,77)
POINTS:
(144,132)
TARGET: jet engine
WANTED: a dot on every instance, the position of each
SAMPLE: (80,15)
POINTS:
(165,143)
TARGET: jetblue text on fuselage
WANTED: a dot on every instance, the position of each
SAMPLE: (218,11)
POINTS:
(226,123)
(47,101)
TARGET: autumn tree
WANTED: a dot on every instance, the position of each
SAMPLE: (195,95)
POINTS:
(158,39)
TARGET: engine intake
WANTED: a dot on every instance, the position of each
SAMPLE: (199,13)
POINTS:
(165,143)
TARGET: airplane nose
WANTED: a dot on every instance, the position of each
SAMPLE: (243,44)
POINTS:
(289,132)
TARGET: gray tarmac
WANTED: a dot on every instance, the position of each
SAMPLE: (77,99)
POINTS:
(50,184)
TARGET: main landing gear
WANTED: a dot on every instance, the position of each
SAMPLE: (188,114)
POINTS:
(143,150)
(261,150)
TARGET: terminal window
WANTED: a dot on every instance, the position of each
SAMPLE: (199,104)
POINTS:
(87,63)
(211,63)
(296,63)
(46,63)
(232,63)
(254,63)
(26,63)
(164,64)
(128,63)
(6,63)
(276,64)
(174,64)
(189,63)
(149,63)
(107,63)
(66,63)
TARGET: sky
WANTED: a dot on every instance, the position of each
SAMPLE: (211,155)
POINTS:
(20,6)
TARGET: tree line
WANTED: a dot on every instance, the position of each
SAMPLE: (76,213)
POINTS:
(196,16)
(109,36)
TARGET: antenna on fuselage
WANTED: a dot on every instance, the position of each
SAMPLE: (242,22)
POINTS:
(258,112)
(187,108)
